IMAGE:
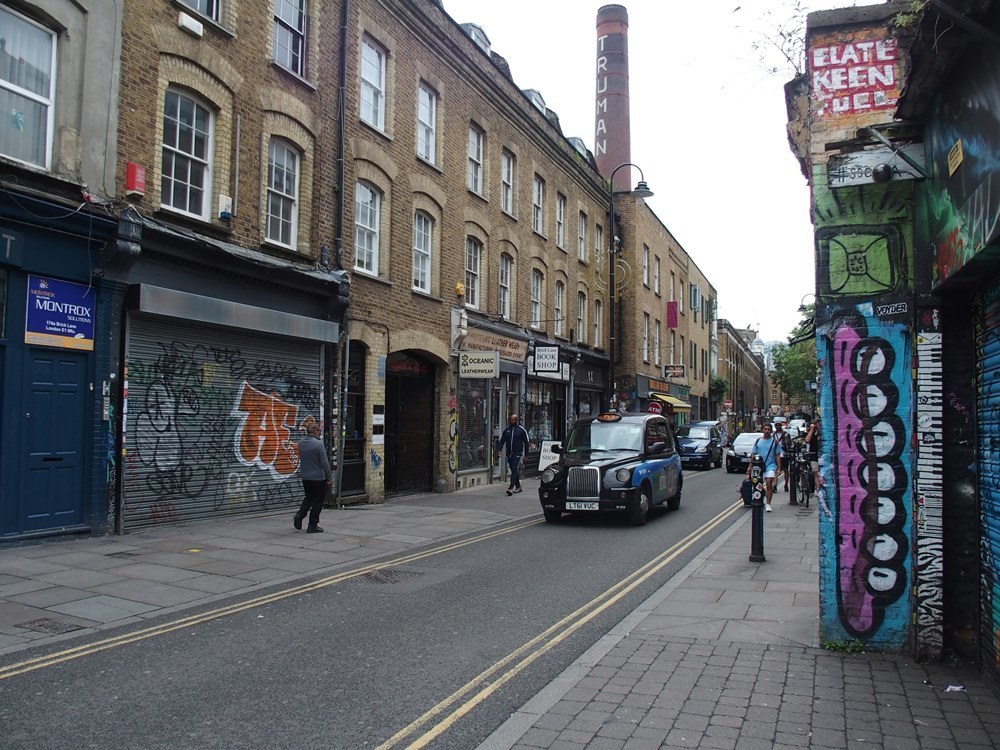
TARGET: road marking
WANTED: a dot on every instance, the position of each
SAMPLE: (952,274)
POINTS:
(496,676)
(60,657)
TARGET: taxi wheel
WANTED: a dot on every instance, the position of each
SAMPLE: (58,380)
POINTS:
(675,502)
(640,510)
(552,516)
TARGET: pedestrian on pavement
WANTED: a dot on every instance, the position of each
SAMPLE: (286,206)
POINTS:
(812,451)
(785,441)
(314,468)
(769,449)
(515,438)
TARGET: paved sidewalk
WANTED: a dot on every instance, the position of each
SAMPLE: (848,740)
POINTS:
(61,588)
(726,655)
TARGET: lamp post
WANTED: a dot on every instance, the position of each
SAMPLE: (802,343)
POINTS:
(641,191)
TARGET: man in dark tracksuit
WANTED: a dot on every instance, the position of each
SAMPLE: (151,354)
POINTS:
(314,468)
(515,437)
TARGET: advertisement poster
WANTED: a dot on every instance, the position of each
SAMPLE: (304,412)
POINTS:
(60,313)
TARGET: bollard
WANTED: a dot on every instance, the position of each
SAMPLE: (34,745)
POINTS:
(757,510)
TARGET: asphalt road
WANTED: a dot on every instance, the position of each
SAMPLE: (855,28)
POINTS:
(435,652)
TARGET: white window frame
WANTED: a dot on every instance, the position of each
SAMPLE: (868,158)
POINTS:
(284,166)
(44,100)
(427,106)
(190,159)
(656,274)
(559,304)
(645,266)
(207,8)
(581,318)
(581,237)
(508,166)
(474,171)
(536,299)
(673,345)
(423,247)
(599,248)
(367,234)
(656,343)
(289,35)
(372,96)
(560,220)
(504,285)
(538,204)
(473,268)
(598,323)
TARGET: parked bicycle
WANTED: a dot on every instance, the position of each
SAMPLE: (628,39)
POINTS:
(800,475)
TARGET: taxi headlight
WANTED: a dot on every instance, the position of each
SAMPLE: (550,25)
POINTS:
(623,475)
(549,475)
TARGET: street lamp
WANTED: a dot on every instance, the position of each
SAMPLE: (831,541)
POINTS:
(641,191)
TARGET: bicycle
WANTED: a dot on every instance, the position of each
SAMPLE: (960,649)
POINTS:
(801,476)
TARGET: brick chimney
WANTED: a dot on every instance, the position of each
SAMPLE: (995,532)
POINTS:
(612,135)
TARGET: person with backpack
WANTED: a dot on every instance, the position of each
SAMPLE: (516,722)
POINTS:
(785,441)
(769,450)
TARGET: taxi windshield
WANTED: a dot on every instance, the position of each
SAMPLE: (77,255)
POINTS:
(604,436)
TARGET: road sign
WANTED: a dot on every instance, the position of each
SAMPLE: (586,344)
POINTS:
(654,407)
(728,403)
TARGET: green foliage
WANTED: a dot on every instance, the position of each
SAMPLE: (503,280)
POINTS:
(910,17)
(795,364)
(845,647)
(717,389)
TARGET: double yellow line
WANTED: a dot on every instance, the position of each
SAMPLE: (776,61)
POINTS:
(481,687)
(41,662)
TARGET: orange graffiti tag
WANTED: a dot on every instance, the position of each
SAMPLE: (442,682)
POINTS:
(264,437)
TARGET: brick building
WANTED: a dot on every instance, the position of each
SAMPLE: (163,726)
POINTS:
(743,370)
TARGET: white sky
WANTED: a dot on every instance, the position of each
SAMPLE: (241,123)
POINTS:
(708,129)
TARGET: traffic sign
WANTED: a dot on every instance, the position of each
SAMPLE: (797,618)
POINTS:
(728,403)
(654,407)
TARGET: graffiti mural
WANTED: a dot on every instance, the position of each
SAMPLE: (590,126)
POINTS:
(929,572)
(866,407)
(212,429)
(987,337)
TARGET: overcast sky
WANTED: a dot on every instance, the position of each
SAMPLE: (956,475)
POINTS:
(708,129)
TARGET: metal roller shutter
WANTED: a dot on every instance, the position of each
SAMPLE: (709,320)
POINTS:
(213,419)
(988,413)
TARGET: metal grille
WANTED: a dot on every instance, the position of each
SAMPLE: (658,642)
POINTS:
(213,421)
(988,366)
(389,575)
(583,483)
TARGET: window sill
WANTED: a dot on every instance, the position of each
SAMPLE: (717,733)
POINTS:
(169,214)
(209,22)
(475,194)
(508,214)
(426,295)
(360,273)
(374,129)
(432,165)
(293,75)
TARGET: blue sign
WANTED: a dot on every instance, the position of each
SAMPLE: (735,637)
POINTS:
(60,313)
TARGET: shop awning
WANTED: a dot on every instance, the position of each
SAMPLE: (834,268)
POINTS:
(672,400)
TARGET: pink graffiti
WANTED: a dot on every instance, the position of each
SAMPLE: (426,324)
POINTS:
(870,479)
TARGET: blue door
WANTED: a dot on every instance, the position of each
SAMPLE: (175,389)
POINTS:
(52,490)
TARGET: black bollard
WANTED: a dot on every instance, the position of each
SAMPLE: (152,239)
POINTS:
(757,510)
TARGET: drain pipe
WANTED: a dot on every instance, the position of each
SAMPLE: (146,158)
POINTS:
(338,246)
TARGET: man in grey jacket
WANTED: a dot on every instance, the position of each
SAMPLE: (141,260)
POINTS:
(314,468)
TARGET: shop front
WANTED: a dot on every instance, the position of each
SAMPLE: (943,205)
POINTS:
(589,388)
(667,398)
(545,399)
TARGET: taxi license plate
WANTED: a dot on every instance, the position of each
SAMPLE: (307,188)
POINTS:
(581,506)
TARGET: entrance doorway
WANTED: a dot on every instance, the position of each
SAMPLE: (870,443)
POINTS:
(410,427)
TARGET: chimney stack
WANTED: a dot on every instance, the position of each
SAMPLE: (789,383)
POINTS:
(612,135)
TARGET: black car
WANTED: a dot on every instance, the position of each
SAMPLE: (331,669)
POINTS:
(614,462)
(701,444)
(738,455)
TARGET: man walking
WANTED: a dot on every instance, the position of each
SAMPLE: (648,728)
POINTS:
(515,438)
(769,449)
(314,468)
(785,441)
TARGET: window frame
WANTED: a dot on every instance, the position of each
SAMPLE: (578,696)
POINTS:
(581,317)
(598,323)
(645,337)
(427,114)
(656,275)
(537,290)
(558,307)
(560,220)
(373,231)
(207,162)
(422,260)
(473,286)
(212,11)
(657,358)
(377,101)
(474,169)
(280,23)
(505,271)
(290,199)
(46,101)
(508,176)
(538,204)
(581,237)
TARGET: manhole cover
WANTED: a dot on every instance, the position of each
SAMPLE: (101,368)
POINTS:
(389,575)
(50,626)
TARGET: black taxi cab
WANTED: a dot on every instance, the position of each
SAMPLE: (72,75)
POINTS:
(623,463)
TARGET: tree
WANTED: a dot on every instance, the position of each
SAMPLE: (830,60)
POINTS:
(717,389)
(794,363)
